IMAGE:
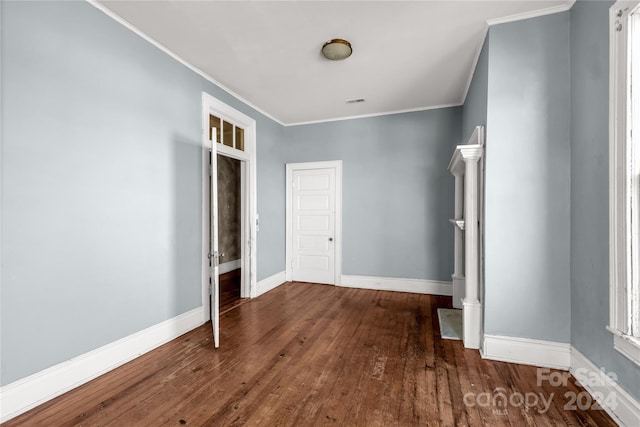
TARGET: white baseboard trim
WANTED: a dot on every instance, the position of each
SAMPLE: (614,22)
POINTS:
(619,404)
(527,351)
(416,286)
(229,266)
(271,282)
(29,392)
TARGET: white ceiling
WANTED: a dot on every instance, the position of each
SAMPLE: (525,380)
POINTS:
(407,55)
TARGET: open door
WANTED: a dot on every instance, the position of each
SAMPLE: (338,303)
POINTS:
(214,257)
(230,133)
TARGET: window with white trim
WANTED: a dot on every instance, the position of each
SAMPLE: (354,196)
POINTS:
(624,172)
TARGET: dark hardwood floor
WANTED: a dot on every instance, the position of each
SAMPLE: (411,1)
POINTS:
(230,290)
(306,355)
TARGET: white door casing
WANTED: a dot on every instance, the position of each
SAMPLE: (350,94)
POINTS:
(314,213)
(209,277)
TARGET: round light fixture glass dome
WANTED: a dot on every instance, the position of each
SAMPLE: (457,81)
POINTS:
(337,49)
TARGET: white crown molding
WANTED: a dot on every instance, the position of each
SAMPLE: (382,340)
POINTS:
(624,408)
(511,18)
(416,286)
(364,116)
(527,351)
(166,50)
(29,392)
(533,14)
(271,282)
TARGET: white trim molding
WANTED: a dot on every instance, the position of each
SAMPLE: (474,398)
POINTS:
(290,168)
(512,18)
(379,114)
(526,351)
(226,267)
(27,393)
(248,158)
(533,14)
(465,165)
(626,345)
(602,385)
(416,286)
(623,193)
(271,282)
(623,407)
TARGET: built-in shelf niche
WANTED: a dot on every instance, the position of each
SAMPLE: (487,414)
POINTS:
(465,167)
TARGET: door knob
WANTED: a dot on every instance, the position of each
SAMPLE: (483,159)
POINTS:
(331,239)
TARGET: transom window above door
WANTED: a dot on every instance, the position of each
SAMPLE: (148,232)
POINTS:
(227,133)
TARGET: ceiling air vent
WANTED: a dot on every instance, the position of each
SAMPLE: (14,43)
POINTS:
(354,101)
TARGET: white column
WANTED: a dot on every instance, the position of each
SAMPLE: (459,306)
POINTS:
(471,226)
(458,271)
(472,310)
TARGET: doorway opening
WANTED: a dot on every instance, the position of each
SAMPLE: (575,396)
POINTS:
(230,189)
(227,134)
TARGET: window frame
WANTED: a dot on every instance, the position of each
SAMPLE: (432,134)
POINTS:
(621,190)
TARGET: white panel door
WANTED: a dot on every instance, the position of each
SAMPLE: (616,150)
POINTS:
(313,233)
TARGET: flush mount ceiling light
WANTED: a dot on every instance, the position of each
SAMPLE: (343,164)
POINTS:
(337,49)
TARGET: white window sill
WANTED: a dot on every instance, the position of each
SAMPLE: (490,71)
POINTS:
(627,345)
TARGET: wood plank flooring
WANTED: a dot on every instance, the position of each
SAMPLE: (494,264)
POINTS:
(230,290)
(309,355)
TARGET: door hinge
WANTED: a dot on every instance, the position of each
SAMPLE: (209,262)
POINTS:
(210,289)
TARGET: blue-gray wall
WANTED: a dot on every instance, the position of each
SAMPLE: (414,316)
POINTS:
(590,192)
(101,184)
(527,187)
(397,191)
(474,110)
